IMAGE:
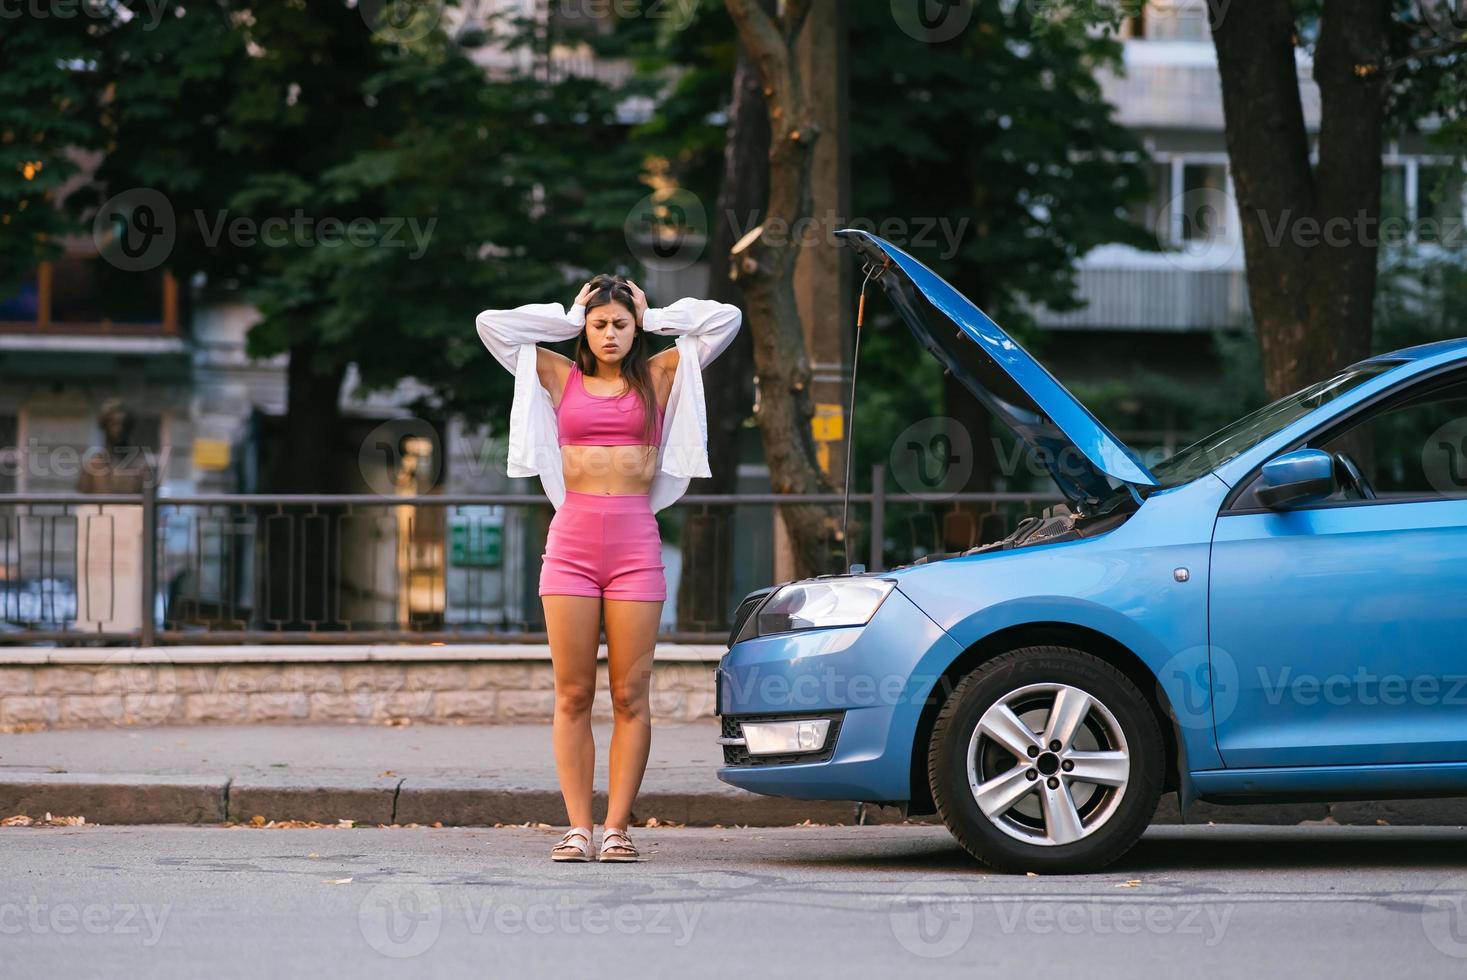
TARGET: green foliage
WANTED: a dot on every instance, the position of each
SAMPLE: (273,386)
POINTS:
(383,193)
(1003,163)
(49,108)
(1002,135)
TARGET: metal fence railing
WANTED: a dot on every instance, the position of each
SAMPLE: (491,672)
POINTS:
(266,568)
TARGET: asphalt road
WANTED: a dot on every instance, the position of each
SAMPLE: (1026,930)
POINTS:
(173,901)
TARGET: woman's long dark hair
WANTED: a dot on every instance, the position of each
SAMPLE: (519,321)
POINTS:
(634,365)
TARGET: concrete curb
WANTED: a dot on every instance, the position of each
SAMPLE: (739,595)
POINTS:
(116,798)
(692,653)
(195,798)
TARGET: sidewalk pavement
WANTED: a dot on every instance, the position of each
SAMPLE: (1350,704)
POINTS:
(476,775)
(454,774)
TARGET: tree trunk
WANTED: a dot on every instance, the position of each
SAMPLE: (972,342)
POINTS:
(967,524)
(301,591)
(1310,234)
(763,264)
(312,424)
(703,599)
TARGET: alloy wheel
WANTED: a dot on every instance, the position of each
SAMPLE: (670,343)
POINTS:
(1048,764)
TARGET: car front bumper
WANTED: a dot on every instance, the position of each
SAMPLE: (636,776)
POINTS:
(868,679)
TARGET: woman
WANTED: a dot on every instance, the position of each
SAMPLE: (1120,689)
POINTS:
(615,434)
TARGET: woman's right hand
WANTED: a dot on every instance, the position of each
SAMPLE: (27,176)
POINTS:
(584,294)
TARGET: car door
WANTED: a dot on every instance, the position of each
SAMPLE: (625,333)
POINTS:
(1343,623)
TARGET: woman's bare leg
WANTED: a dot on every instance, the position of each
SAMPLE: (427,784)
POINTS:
(631,637)
(573,625)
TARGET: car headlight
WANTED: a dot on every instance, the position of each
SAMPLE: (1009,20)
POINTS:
(813,605)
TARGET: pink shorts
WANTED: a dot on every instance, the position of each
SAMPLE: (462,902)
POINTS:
(605,545)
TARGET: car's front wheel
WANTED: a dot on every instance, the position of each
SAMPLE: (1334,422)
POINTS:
(1046,759)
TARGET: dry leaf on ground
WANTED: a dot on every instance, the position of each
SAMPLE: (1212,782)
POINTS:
(22,820)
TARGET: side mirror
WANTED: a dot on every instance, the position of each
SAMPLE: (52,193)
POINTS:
(1300,477)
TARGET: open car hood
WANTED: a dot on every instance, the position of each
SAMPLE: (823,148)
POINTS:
(1084,457)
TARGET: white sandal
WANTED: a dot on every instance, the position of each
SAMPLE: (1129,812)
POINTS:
(571,849)
(617,846)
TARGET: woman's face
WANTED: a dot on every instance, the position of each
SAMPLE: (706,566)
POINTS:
(609,331)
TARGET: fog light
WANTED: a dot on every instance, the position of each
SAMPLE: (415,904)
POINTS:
(786,737)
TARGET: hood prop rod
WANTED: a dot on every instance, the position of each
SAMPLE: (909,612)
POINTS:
(853,567)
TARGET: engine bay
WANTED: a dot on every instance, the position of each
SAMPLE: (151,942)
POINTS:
(1054,524)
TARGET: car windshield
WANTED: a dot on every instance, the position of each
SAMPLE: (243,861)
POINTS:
(1225,444)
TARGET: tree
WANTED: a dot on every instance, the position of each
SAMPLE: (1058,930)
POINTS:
(712,129)
(997,152)
(367,191)
(763,264)
(998,149)
(402,186)
(49,109)
(1311,228)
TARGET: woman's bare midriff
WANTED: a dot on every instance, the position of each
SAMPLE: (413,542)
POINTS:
(609,469)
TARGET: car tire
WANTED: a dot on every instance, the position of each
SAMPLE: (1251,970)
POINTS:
(1036,813)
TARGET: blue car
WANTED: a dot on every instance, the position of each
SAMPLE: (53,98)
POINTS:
(1277,613)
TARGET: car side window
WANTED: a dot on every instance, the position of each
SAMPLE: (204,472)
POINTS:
(1415,449)
(1412,448)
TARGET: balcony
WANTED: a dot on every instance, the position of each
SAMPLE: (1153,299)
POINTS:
(1174,85)
(1164,292)
(79,316)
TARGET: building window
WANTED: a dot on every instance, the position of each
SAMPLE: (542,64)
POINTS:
(1206,211)
(80,292)
(1174,20)
(1149,213)
(1439,203)
(9,453)
(1395,205)
(571,20)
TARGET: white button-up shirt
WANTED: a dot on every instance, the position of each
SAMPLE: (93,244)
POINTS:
(703,328)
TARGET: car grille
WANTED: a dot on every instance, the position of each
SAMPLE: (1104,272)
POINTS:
(738,755)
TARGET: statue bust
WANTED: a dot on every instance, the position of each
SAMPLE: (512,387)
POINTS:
(120,468)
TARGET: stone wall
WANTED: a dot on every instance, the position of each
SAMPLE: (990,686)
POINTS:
(200,686)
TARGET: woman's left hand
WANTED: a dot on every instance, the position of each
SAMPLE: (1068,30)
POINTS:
(639,300)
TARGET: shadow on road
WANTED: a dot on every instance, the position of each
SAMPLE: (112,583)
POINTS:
(1242,847)
(1171,848)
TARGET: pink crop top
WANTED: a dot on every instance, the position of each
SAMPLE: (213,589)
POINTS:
(584,419)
